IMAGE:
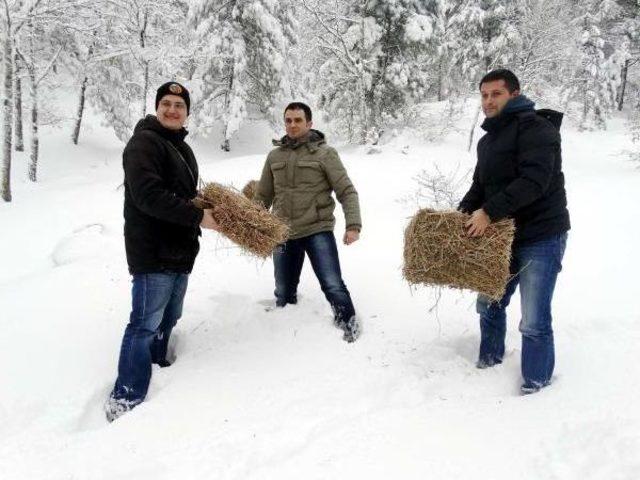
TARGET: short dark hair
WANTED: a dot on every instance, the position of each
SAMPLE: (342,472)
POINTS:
(510,79)
(300,106)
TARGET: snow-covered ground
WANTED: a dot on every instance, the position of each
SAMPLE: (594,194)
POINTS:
(278,395)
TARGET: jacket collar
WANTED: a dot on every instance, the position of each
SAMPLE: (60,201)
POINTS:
(312,141)
(151,122)
(514,106)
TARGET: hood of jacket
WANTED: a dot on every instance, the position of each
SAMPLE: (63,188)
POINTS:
(312,140)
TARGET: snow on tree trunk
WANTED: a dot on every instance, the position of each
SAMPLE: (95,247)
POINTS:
(19,137)
(7,110)
(473,127)
(145,88)
(227,132)
(35,144)
(76,129)
(623,84)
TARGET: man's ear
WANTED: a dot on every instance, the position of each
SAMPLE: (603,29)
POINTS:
(515,93)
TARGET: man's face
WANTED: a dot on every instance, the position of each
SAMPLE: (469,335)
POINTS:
(296,124)
(495,96)
(172,112)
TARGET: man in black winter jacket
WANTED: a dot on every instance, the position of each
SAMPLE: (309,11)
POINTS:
(161,232)
(519,175)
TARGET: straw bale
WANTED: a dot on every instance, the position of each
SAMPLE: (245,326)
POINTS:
(437,252)
(247,224)
(249,190)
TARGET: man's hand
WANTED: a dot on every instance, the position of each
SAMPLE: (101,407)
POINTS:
(350,236)
(208,221)
(478,223)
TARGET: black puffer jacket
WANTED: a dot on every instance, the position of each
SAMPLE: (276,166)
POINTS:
(161,225)
(519,172)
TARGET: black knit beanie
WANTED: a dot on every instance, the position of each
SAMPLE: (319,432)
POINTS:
(173,88)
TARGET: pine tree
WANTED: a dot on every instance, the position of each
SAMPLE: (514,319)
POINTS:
(244,46)
(370,68)
(628,32)
(596,69)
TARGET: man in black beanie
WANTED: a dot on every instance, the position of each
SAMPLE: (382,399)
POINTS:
(161,230)
(173,88)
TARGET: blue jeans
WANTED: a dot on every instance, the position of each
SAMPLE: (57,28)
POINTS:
(536,266)
(323,254)
(156,307)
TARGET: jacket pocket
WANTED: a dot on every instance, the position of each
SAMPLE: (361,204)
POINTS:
(279,173)
(309,173)
(325,206)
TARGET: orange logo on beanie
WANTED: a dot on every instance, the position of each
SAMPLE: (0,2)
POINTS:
(175,89)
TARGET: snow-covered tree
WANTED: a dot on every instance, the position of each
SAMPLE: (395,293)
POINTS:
(38,50)
(244,48)
(370,66)
(596,65)
(24,36)
(142,40)
(628,32)
(544,32)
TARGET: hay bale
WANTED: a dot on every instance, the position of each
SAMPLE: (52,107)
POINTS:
(249,190)
(245,223)
(437,252)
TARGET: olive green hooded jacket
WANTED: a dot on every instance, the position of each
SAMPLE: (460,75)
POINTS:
(297,181)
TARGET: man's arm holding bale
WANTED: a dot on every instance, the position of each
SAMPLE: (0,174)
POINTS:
(470,204)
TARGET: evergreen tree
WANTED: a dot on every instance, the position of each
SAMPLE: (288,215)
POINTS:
(370,69)
(244,47)
(596,68)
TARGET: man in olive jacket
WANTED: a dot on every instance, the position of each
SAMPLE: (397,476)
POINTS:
(519,175)
(161,228)
(297,181)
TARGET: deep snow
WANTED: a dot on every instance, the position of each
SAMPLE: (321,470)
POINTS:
(278,394)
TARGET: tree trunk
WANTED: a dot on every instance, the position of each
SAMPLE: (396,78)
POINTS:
(19,137)
(585,107)
(76,128)
(473,127)
(33,164)
(623,86)
(145,85)
(145,89)
(226,142)
(440,81)
(7,110)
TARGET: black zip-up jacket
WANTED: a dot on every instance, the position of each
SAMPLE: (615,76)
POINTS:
(161,225)
(519,172)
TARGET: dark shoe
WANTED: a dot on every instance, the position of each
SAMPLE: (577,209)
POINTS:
(114,408)
(351,329)
(529,387)
(163,363)
(488,362)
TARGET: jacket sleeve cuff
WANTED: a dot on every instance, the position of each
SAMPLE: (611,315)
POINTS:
(494,213)
(198,216)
